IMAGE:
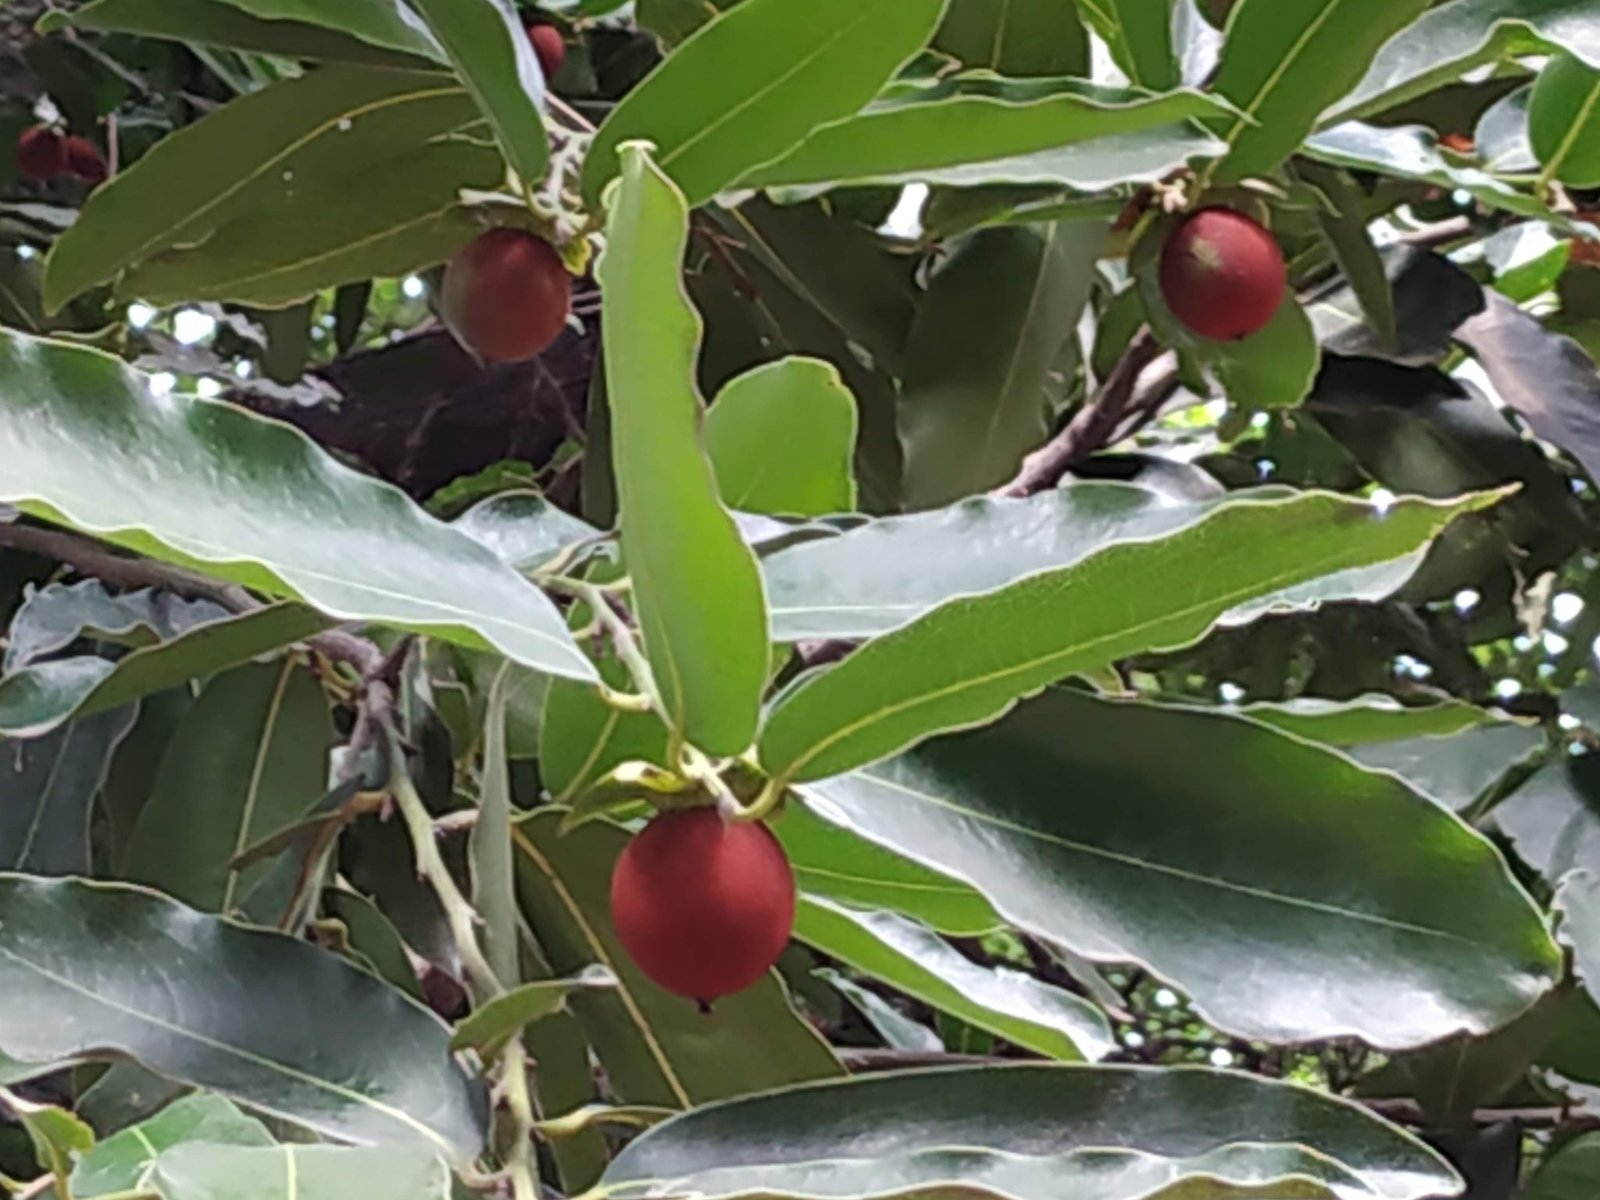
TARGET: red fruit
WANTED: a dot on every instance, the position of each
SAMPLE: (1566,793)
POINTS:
(1461,143)
(85,160)
(506,295)
(1222,274)
(549,47)
(702,905)
(41,153)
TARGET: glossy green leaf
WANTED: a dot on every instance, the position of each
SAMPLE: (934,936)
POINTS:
(1412,152)
(1291,894)
(57,615)
(43,695)
(57,1135)
(252,153)
(1571,1173)
(340,33)
(372,939)
(1451,39)
(582,738)
(973,130)
(656,1048)
(329,230)
(250,757)
(1502,135)
(874,579)
(1553,819)
(989,329)
(781,439)
(913,959)
(1273,367)
(1019,38)
(253,501)
(1578,902)
(203,1172)
(1346,231)
(969,660)
(753,81)
(494,59)
(1027,1132)
(696,589)
(1139,35)
(501,1019)
(1285,61)
(125,972)
(119,1163)
(523,528)
(1367,719)
(47,791)
(830,861)
(894,1028)
(1458,768)
(1564,121)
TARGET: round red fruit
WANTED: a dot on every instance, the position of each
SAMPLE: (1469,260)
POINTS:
(85,160)
(549,47)
(41,153)
(506,295)
(1222,274)
(704,906)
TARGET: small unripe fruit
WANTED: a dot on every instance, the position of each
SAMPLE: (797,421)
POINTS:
(85,160)
(506,295)
(704,906)
(549,47)
(1222,274)
(41,153)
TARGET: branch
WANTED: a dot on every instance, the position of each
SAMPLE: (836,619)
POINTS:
(1092,427)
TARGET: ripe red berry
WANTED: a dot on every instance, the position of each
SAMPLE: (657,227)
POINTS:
(702,905)
(550,48)
(1222,274)
(41,153)
(506,295)
(85,160)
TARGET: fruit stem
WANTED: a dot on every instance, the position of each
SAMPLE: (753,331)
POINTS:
(623,641)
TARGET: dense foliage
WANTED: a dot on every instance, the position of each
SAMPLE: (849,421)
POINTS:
(1070,525)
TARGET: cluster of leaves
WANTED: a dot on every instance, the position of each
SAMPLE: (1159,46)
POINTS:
(1075,659)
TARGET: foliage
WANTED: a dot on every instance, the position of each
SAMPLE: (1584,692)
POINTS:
(1183,748)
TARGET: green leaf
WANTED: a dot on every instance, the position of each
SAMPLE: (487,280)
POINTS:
(523,528)
(489,1028)
(1578,902)
(988,332)
(1564,121)
(42,696)
(1458,768)
(494,58)
(910,957)
(1346,232)
(1285,61)
(341,33)
(202,1172)
(119,1163)
(1033,1131)
(1273,367)
(57,1135)
(897,1031)
(781,439)
(236,500)
(57,615)
(329,230)
(1125,600)
(1019,38)
(1502,135)
(373,940)
(696,589)
(1226,858)
(125,972)
(252,153)
(656,1048)
(1451,39)
(1571,1173)
(1367,719)
(250,757)
(976,129)
(874,579)
(830,861)
(47,791)
(582,738)
(1553,819)
(1412,152)
(1139,36)
(754,81)
(494,892)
